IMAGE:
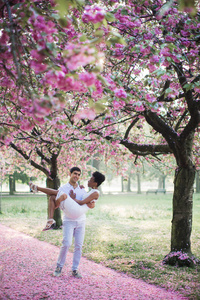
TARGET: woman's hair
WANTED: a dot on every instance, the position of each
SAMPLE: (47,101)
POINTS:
(98,177)
(75,169)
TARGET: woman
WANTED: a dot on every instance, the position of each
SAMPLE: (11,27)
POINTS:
(71,207)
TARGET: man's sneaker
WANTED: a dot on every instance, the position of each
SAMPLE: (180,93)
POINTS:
(76,274)
(57,271)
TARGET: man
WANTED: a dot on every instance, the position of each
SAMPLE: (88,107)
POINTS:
(71,227)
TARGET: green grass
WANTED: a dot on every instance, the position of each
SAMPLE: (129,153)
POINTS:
(129,233)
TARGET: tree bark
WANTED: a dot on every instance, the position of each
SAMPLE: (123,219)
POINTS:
(182,209)
(181,254)
(129,184)
(54,183)
(161,182)
(11,185)
(138,183)
(122,184)
(197,182)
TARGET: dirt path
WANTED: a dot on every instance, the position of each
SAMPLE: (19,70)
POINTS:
(26,267)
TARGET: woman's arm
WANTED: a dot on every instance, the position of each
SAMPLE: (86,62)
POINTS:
(93,196)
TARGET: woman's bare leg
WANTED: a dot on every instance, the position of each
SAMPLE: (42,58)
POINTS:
(52,206)
(52,203)
(35,188)
(47,191)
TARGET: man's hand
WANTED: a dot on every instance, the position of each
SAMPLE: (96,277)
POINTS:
(82,186)
(91,204)
(72,194)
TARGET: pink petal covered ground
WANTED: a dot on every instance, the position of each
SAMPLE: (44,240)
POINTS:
(26,267)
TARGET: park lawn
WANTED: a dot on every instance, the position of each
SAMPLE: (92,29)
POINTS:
(126,232)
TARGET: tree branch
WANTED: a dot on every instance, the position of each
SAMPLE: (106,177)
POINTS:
(146,149)
(34,164)
(130,127)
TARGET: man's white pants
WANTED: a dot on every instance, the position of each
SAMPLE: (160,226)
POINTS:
(72,229)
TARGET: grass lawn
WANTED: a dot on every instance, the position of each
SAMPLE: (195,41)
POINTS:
(129,233)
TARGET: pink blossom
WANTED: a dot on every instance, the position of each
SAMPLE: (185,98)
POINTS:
(42,107)
(76,56)
(4,38)
(150,98)
(151,67)
(165,52)
(145,50)
(86,114)
(197,89)
(165,77)
(185,33)
(38,67)
(116,104)
(7,139)
(120,93)
(169,38)
(88,78)
(155,58)
(194,53)
(93,14)
(157,30)
(6,82)
(139,108)
(26,125)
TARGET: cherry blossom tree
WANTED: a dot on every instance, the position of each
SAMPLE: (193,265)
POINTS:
(43,57)
(155,80)
(150,53)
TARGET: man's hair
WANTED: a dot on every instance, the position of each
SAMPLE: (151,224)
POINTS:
(98,177)
(75,169)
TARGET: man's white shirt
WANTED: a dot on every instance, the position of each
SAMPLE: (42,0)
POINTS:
(66,188)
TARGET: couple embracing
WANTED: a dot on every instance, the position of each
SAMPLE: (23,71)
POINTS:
(74,201)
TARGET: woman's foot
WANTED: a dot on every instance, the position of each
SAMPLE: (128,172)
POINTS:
(33,187)
(50,224)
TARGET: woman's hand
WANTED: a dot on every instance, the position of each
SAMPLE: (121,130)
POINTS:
(72,195)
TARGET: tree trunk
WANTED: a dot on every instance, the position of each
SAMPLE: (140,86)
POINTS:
(14,183)
(129,184)
(164,177)
(197,182)
(138,183)
(182,206)
(11,185)
(122,184)
(54,183)
(182,210)
(160,182)
(182,219)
